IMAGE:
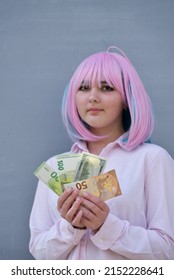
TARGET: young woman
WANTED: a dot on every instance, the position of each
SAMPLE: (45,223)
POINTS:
(107,112)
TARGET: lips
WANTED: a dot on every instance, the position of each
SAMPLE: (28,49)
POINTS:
(94,110)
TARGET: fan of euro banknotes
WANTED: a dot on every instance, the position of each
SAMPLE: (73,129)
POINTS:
(83,171)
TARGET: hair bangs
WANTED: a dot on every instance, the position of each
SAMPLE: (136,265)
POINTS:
(96,69)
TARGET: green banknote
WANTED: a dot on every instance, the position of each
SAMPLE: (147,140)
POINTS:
(70,168)
(105,185)
(50,177)
(89,165)
(66,166)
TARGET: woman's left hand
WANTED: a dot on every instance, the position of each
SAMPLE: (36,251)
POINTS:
(95,211)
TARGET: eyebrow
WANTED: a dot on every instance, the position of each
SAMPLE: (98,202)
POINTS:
(86,82)
(106,83)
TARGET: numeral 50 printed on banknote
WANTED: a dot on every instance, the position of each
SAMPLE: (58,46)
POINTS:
(104,185)
(81,171)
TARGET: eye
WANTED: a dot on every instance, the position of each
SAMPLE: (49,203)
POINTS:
(107,88)
(84,87)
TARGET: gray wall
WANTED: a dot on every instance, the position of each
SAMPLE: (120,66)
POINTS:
(41,43)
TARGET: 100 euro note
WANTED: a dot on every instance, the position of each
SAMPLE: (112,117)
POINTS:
(90,165)
(68,169)
(67,165)
(50,177)
(105,185)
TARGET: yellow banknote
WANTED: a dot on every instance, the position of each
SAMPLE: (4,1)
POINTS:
(105,185)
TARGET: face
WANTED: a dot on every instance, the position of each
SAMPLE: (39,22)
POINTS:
(100,107)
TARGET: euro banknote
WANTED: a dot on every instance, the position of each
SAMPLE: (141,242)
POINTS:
(67,165)
(70,168)
(50,177)
(105,185)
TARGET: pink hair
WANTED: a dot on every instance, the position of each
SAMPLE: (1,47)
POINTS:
(117,70)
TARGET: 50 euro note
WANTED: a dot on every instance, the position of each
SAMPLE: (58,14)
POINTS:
(68,168)
(105,185)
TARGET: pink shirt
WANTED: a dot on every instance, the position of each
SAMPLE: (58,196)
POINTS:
(140,224)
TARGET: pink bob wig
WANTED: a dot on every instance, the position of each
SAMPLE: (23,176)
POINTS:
(117,70)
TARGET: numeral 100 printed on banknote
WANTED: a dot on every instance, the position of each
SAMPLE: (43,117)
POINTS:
(81,171)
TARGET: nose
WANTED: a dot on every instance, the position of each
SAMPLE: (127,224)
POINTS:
(94,95)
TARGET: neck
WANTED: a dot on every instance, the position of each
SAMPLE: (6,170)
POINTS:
(98,146)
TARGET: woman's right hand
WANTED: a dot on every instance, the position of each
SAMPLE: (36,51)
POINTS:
(68,206)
